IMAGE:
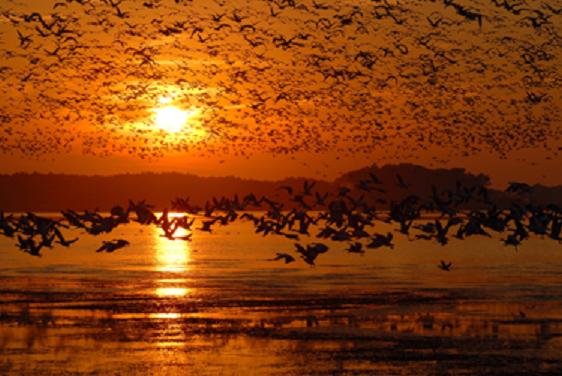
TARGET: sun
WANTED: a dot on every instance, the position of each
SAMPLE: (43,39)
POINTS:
(171,118)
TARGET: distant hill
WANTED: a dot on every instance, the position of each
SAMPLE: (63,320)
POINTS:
(416,179)
(54,192)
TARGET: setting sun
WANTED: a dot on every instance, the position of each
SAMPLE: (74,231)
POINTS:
(171,119)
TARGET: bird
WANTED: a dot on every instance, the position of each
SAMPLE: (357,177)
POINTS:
(206,225)
(287,188)
(445,266)
(24,40)
(311,252)
(113,245)
(356,247)
(401,183)
(379,240)
(66,243)
(517,187)
(287,258)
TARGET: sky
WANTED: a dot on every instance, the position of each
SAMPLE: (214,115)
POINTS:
(270,89)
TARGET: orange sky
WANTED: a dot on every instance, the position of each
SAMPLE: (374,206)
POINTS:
(265,166)
(275,90)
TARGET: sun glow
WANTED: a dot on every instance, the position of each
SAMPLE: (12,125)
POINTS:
(171,118)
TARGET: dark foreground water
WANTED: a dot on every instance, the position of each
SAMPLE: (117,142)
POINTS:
(216,306)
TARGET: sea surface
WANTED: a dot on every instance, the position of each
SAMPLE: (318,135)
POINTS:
(217,306)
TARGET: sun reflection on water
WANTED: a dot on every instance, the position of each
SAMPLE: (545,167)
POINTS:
(165,315)
(171,291)
(171,256)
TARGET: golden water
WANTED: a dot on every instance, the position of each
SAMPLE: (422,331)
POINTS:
(217,306)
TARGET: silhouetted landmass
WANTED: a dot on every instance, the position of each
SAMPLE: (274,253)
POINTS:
(54,192)
(418,180)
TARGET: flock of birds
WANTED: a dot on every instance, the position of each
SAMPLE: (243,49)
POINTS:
(281,76)
(342,217)
(286,76)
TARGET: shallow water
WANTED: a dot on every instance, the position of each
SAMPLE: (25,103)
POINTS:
(217,306)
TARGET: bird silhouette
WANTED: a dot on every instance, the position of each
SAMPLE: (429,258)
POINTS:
(311,252)
(378,241)
(287,258)
(112,246)
(445,266)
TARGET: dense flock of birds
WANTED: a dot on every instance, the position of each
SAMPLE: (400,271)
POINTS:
(281,76)
(338,217)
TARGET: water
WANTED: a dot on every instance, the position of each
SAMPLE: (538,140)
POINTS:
(217,306)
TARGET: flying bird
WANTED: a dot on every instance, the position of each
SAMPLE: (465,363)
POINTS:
(112,246)
(287,258)
(445,266)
